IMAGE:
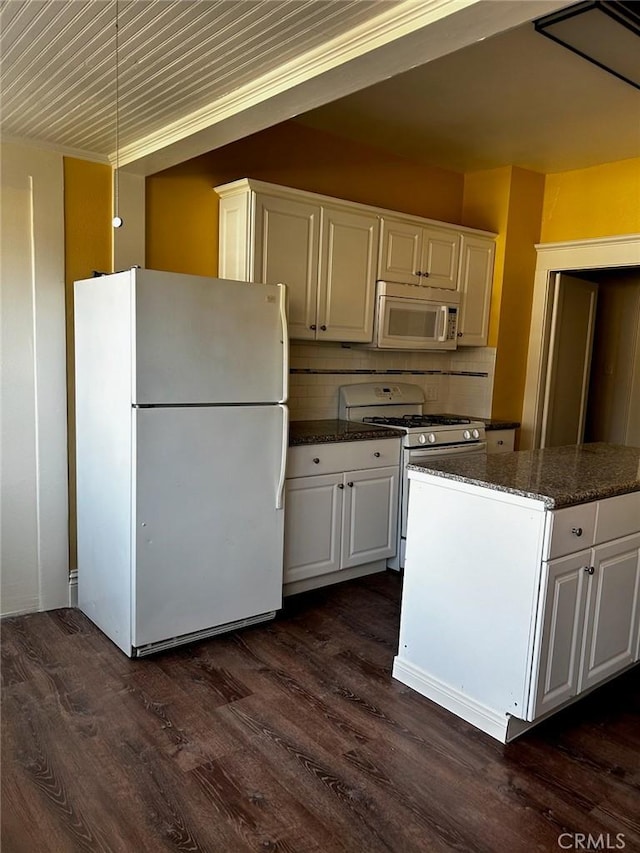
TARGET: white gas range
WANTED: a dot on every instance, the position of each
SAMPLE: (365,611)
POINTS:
(398,405)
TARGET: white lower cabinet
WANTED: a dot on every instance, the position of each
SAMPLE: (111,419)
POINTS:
(342,523)
(589,606)
(560,644)
(611,623)
(500,440)
(313,526)
(369,516)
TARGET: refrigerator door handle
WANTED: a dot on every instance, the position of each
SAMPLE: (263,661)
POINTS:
(283,460)
(285,343)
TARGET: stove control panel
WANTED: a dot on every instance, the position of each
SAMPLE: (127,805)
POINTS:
(430,438)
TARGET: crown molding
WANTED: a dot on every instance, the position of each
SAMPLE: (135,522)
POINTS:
(594,243)
(64,150)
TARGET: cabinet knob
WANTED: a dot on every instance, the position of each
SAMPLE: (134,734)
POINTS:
(425,274)
(313,327)
(577,531)
(377,454)
(341,485)
(323,328)
(418,273)
(459,334)
(589,569)
(316,460)
(499,441)
(350,485)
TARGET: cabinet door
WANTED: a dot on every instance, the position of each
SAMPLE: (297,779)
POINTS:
(369,515)
(500,440)
(476,277)
(611,627)
(349,250)
(560,631)
(439,263)
(313,520)
(286,250)
(400,251)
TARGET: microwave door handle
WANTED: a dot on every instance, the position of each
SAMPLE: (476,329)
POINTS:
(445,316)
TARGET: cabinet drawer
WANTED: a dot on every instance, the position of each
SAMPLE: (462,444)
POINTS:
(500,440)
(618,517)
(309,459)
(570,530)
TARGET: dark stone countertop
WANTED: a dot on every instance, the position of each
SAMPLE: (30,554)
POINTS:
(326,431)
(489,423)
(558,476)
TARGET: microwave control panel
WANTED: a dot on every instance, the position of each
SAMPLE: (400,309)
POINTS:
(452,324)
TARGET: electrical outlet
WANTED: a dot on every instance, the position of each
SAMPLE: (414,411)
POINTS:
(431,393)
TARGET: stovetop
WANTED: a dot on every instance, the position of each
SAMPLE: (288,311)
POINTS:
(402,403)
(418,421)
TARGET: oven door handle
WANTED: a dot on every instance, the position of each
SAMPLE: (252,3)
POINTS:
(456,450)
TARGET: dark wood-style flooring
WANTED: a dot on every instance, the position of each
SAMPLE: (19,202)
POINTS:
(290,736)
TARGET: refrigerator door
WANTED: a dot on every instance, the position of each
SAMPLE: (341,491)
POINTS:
(207,340)
(208,538)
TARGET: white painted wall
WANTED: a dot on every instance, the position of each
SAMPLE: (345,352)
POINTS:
(34,562)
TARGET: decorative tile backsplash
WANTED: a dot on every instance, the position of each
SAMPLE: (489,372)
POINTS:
(460,381)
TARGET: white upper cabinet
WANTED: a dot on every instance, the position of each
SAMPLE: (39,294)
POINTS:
(475,280)
(324,252)
(330,252)
(348,255)
(285,249)
(419,254)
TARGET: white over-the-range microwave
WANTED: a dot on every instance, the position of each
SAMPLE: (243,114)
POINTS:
(414,317)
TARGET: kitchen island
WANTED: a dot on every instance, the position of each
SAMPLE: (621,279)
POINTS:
(522,581)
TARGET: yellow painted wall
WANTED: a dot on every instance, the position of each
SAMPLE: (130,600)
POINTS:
(87,246)
(182,209)
(523,232)
(87,218)
(602,201)
(486,205)
(509,201)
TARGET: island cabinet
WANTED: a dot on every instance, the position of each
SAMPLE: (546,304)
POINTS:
(525,612)
(324,250)
(589,599)
(341,503)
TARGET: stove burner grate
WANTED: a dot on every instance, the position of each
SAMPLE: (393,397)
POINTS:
(418,421)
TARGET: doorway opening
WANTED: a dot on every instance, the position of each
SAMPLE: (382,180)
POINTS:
(592,388)
(610,266)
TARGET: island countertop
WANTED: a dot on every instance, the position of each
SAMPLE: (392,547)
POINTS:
(558,476)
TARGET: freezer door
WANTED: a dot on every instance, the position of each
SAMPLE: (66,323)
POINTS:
(207,340)
(208,539)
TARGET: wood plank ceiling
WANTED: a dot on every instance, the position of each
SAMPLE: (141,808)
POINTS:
(57,74)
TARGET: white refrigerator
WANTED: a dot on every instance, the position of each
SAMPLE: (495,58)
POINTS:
(181,441)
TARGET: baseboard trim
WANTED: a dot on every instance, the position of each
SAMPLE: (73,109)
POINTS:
(73,588)
(294,587)
(484,718)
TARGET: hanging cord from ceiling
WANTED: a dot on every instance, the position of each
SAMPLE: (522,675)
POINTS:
(117,220)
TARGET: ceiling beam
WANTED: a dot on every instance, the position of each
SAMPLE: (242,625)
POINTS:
(406,36)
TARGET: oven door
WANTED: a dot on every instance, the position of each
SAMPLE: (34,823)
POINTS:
(422,456)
